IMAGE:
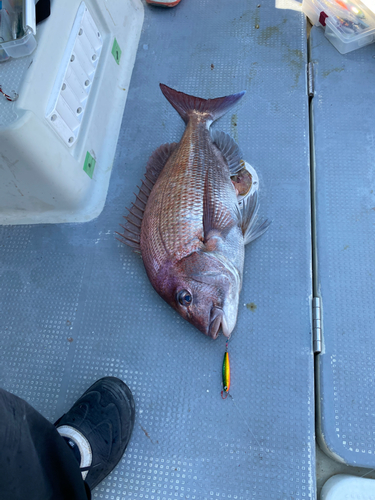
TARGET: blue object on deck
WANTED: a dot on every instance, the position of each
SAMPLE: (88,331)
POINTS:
(344,139)
(78,305)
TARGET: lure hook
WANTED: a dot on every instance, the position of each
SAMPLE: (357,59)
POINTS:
(222,395)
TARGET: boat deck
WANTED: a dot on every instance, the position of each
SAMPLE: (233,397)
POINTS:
(77,304)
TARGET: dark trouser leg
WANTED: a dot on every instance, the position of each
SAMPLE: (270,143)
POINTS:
(35,461)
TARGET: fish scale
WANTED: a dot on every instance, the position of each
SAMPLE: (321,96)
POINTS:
(179,200)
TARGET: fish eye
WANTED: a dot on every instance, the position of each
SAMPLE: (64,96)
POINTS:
(185,298)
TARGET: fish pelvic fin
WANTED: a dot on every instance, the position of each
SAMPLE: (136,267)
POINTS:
(248,214)
(186,105)
(131,235)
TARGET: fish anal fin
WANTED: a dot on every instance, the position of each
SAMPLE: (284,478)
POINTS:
(229,149)
(132,229)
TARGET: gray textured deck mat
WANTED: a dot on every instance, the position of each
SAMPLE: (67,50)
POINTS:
(344,136)
(77,305)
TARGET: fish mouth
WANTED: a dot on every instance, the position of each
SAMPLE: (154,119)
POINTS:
(217,321)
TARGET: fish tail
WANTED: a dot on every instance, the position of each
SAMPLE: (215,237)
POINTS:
(186,105)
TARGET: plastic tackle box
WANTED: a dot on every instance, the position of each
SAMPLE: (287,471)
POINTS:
(348,24)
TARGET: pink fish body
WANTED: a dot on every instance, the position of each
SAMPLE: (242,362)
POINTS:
(187,222)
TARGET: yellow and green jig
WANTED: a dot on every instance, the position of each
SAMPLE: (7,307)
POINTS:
(226,373)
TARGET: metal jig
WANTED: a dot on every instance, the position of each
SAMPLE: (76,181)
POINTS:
(226,373)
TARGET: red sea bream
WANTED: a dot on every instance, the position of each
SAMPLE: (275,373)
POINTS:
(187,222)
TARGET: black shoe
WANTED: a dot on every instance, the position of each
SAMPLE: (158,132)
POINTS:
(98,427)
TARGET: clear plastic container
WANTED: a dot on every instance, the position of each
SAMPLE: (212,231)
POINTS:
(17,28)
(348,24)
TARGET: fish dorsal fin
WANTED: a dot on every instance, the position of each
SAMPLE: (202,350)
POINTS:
(229,149)
(248,214)
(217,218)
(132,228)
(186,104)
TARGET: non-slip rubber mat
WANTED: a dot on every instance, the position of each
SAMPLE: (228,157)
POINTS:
(344,151)
(77,304)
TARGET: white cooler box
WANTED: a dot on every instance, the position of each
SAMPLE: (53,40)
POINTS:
(59,131)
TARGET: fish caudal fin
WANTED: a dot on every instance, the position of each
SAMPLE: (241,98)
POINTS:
(186,104)
(249,217)
(132,229)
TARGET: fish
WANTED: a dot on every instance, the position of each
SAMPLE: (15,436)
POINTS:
(187,221)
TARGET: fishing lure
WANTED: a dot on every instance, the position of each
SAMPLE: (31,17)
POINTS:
(226,373)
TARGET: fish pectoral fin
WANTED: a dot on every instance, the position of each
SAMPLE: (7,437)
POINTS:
(217,218)
(229,149)
(132,229)
(249,217)
(217,222)
(212,241)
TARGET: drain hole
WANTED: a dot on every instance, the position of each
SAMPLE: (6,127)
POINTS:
(53,118)
(71,139)
(87,82)
(79,110)
(72,58)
